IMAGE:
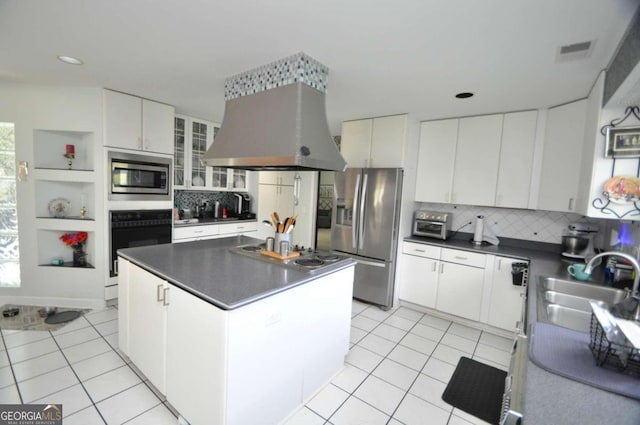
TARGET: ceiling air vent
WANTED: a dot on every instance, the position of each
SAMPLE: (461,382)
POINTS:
(574,51)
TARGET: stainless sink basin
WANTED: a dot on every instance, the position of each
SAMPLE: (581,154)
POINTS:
(566,303)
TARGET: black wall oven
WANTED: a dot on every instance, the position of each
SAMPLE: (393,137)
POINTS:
(139,177)
(129,229)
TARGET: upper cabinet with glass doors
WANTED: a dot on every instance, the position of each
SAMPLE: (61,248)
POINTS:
(192,139)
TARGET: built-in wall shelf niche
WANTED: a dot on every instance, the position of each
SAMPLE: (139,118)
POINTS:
(71,196)
(50,147)
(51,248)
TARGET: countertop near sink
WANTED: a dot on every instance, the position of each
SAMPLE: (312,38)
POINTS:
(551,399)
(203,221)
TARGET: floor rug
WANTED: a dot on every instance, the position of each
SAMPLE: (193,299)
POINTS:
(477,389)
(29,319)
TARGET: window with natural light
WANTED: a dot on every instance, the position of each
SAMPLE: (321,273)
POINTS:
(9,255)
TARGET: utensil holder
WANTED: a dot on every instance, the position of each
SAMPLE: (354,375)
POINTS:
(282,237)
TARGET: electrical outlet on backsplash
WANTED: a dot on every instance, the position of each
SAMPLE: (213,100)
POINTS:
(539,226)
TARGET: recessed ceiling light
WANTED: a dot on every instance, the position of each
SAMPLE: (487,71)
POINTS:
(70,60)
(464,95)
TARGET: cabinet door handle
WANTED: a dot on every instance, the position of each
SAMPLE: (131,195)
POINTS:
(115,267)
(433,266)
(158,291)
(441,268)
(570,204)
(453,197)
(165,298)
(446,197)
(140,143)
(499,265)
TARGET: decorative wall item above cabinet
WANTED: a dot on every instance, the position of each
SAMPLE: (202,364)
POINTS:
(192,138)
(374,142)
(483,160)
(139,124)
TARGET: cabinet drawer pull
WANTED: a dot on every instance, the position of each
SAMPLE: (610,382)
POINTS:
(158,290)
(419,250)
(240,227)
(457,257)
(198,231)
(165,298)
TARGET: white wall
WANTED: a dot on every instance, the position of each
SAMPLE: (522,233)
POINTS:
(33,107)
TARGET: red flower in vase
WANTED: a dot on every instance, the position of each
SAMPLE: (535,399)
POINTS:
(74,239)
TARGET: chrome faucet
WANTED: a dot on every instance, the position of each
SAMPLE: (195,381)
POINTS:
(631,305)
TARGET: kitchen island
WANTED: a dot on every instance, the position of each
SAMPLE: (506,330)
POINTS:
(229,339)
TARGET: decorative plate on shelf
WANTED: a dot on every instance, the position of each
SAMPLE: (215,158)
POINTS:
(622,189)
(59,207)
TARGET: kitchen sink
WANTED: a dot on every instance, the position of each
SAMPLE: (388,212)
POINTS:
(566,303)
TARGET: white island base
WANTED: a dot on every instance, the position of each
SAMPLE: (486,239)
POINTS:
(255,364)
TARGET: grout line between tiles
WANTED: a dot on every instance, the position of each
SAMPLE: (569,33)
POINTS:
(81,383)
(13,373)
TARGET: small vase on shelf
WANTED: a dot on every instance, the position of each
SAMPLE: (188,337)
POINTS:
(79,256)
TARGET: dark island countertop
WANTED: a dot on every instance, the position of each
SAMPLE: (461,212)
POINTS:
(551,399)
(210,271)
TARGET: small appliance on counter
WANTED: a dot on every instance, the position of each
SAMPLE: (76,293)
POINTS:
(243,205)
(432,224)
(577,242)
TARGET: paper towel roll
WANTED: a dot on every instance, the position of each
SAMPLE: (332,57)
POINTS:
(477,234)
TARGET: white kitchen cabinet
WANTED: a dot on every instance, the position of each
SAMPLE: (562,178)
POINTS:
(419,280)
(477,159)
(282,178)
(192,138)
(273,198)
(202,232)
(505,299)
(147,324)
(436,159)
(562,156)
(484,160)
(195,357)
(139,124)
(195,233)
(461,283)
(374,142)
(516,159)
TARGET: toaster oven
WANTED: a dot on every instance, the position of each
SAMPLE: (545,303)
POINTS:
(432,224)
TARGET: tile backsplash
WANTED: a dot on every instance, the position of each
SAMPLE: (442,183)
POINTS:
(540,226)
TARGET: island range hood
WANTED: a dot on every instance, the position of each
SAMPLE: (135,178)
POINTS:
(275,119)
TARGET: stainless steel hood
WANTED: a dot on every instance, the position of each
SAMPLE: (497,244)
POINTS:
(281,128)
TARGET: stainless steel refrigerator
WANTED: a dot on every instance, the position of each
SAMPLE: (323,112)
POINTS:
(365,221)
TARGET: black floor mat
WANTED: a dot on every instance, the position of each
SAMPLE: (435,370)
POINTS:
(62,317)
(477,389)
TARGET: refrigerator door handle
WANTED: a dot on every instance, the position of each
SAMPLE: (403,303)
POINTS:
(363,199)
(354,220)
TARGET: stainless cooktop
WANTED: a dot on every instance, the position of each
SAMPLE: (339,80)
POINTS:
(307,262)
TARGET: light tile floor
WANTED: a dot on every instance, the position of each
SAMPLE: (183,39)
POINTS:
(397,368)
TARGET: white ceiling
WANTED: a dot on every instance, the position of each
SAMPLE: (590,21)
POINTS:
(384,57)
